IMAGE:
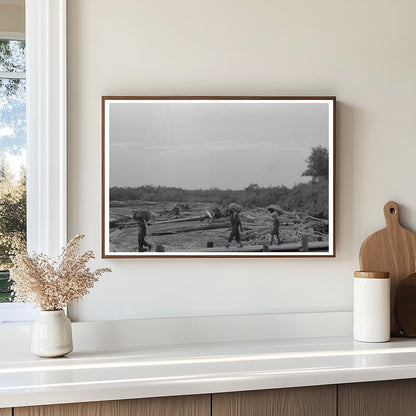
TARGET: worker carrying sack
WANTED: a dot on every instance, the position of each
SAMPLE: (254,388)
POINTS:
(235,207)
(276,208)
(144,214)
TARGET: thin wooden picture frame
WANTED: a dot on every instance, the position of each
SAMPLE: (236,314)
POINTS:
(179,172)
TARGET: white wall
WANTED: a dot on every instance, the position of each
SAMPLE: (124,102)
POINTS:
(361,51)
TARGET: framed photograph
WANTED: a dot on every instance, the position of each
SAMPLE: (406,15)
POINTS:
(218,177)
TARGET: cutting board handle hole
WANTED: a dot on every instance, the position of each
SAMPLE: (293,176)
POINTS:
(392,210)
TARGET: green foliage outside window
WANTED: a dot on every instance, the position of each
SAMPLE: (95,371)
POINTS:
(12,150)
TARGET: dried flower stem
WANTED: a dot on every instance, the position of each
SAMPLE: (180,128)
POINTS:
(53,285)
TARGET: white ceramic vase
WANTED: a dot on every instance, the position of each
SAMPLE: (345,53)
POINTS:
(52,334)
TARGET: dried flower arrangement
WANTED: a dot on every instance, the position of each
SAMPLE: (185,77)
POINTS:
(52,285)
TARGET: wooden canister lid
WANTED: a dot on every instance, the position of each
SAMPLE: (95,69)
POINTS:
(372,275)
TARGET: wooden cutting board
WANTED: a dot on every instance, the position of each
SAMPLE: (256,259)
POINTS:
(405,306)
(393,250)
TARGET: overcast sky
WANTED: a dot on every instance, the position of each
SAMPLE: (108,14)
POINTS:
(196,145)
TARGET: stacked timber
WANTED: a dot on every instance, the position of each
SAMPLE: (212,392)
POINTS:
(184,225)
(286,248)
(257,224)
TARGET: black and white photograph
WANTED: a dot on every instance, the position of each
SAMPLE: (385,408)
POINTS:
(218,176)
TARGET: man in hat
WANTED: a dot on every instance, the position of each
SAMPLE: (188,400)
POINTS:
(236,226)
(142,232)
(276,224)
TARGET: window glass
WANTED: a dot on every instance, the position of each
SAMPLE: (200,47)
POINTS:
(12,156)
(12,55)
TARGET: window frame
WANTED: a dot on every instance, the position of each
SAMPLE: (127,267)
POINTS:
(46,125)
(12,35)
(46,121)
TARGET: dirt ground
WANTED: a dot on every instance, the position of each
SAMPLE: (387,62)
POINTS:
(125,239)
(256,222)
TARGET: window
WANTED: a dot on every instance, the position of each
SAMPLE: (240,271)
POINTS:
(46,134)
(12,155)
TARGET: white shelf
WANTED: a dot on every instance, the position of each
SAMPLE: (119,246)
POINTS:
(168,370)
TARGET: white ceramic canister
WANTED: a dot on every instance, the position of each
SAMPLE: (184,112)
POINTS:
(371,309)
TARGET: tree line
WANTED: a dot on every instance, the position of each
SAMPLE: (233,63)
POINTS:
(311,197)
